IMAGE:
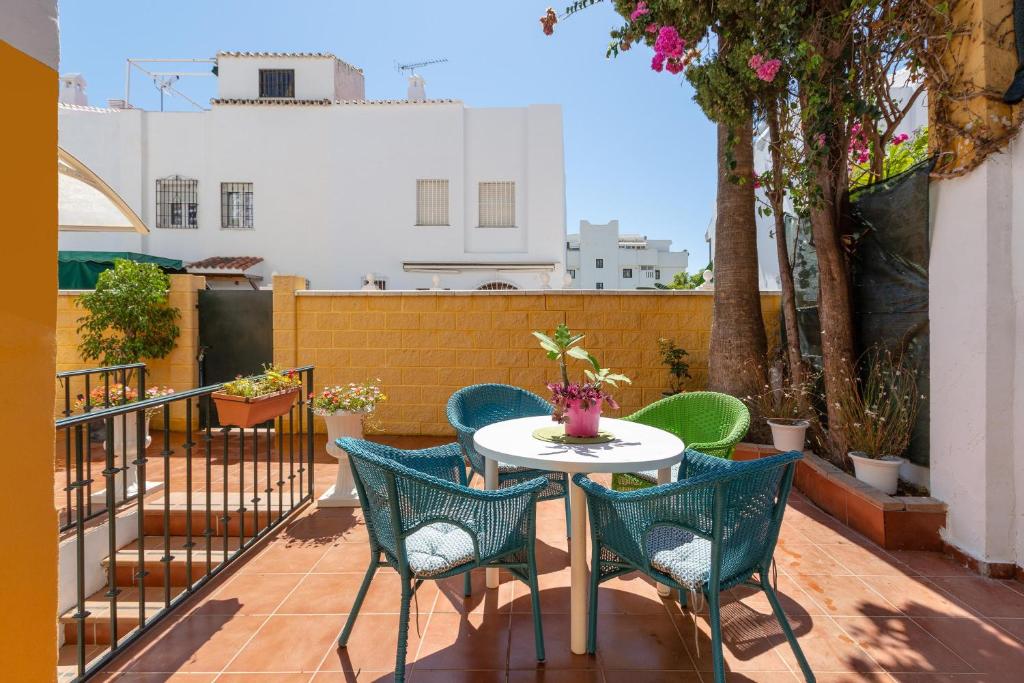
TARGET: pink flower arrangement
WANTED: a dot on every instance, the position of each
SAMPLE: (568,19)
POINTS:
(641,10)
(764,69)
(586,395)
(668,51)
(900,139)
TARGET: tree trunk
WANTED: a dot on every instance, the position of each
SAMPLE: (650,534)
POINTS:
(737,332)
(776,196)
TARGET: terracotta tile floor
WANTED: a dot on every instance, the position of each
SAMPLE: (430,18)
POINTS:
(860,613)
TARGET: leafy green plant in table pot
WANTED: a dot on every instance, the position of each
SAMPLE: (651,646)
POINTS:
(128,319)
(249,401)
(577,404)
(674,358)
(879,404)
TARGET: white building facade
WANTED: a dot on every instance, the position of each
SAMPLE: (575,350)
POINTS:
(599,257)
(293,165)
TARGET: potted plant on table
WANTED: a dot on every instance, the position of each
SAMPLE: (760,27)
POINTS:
(344,410)
(879,408)
(678,369)
(578,405)
(249,401)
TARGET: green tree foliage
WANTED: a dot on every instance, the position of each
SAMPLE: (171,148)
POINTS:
(128,315)
(684,280)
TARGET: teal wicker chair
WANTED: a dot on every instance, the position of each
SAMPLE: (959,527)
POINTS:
(477,406)
(706,421)
(713,529)
(427,524)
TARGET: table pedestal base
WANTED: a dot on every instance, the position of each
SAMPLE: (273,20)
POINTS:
(579,584)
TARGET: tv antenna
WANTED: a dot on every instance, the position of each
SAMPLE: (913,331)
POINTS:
(164,80)
(411,68)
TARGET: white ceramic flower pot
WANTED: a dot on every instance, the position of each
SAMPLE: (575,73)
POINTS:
(126,452)
(343,493)
(883,473)
(788,435)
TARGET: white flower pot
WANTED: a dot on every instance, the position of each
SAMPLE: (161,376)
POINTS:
(788,435)
(343,493)
(126,452)
(883,473)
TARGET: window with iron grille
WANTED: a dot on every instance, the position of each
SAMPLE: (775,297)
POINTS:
(277,82)
(498,204)
(431,202)
(236,205)
(599,285)
(599,263)
(177,203)
(627,272)
(572,273)
(657,275)
(647,272)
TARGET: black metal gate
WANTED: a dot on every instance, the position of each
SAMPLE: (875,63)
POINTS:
(236,335)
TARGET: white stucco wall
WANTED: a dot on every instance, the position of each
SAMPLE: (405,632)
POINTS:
(976,303)
(601,241)
(334,187)
(316,78)
(31,27)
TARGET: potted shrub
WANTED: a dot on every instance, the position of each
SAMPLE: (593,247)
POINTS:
(126,436)
(674,358)
(879,408)
(577,405)
(344,409)
(786,407)
(249,401)
(128,318)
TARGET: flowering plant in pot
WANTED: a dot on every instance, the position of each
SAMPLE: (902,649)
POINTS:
(786,404)
(344,409)
(577,405)
(248,401)
(879,407)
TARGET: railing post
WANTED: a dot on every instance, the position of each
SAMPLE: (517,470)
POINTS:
(81,614)
(309,428)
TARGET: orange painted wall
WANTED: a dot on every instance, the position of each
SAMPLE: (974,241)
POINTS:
(28,193)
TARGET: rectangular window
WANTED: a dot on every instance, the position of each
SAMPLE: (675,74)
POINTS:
(277,82)
(498,204)
(432,202)
(599,285)
(599,263)
(657,275)
(647,272)
(177,203)
(627,272)
(572,273)
(236,205)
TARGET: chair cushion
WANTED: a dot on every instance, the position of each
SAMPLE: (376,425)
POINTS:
(437,548)
(680,554)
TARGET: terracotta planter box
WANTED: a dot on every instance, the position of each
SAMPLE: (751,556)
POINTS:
(242,411)
(893,522)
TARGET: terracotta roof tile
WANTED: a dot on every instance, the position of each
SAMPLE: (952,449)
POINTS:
(232,263)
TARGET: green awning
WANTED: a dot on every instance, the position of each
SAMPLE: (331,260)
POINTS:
(80,269)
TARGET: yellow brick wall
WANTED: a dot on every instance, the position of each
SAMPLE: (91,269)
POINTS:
(177,370)
(426,345)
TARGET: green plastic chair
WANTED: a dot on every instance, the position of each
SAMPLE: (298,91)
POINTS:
(427,524)
(706,421)
(714,529)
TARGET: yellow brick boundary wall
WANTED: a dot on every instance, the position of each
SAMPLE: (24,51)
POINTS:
(424,345)
(178,370)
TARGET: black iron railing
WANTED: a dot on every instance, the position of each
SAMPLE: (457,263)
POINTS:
(210,503)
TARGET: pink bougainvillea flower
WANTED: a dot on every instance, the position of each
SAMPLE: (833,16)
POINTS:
(674,65)
(641,10)
(669,43)
(658,62)
(548,21)
(755,62)
(757,183)
(651,28)
(768,70)
(900,139)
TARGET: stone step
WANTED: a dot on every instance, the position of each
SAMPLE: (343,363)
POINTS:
(153,555)
(178,515)
(98,623)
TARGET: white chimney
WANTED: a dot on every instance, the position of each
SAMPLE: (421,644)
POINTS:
(72,90)
(417,89)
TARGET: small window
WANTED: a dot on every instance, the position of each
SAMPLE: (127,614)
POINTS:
(498,204)
(647,272)
(277,82)
(599,263)
(657,275)
(599,285)
(236,205)
(379,284)
(572,273)
(627,273)
(177,203)
(497,285)
(432,202)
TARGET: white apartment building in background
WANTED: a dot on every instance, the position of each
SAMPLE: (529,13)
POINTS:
(292,164)
(598,257)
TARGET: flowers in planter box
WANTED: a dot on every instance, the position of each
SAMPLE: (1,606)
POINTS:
(353,398)
(117,394)
(272,381)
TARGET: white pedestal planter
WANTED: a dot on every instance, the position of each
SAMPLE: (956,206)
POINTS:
(789,435)
(883,473)
(343,493)
(126,452)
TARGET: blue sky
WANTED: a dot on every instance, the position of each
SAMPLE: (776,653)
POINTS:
(637,147)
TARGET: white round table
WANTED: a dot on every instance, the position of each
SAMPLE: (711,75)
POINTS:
(636,448)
